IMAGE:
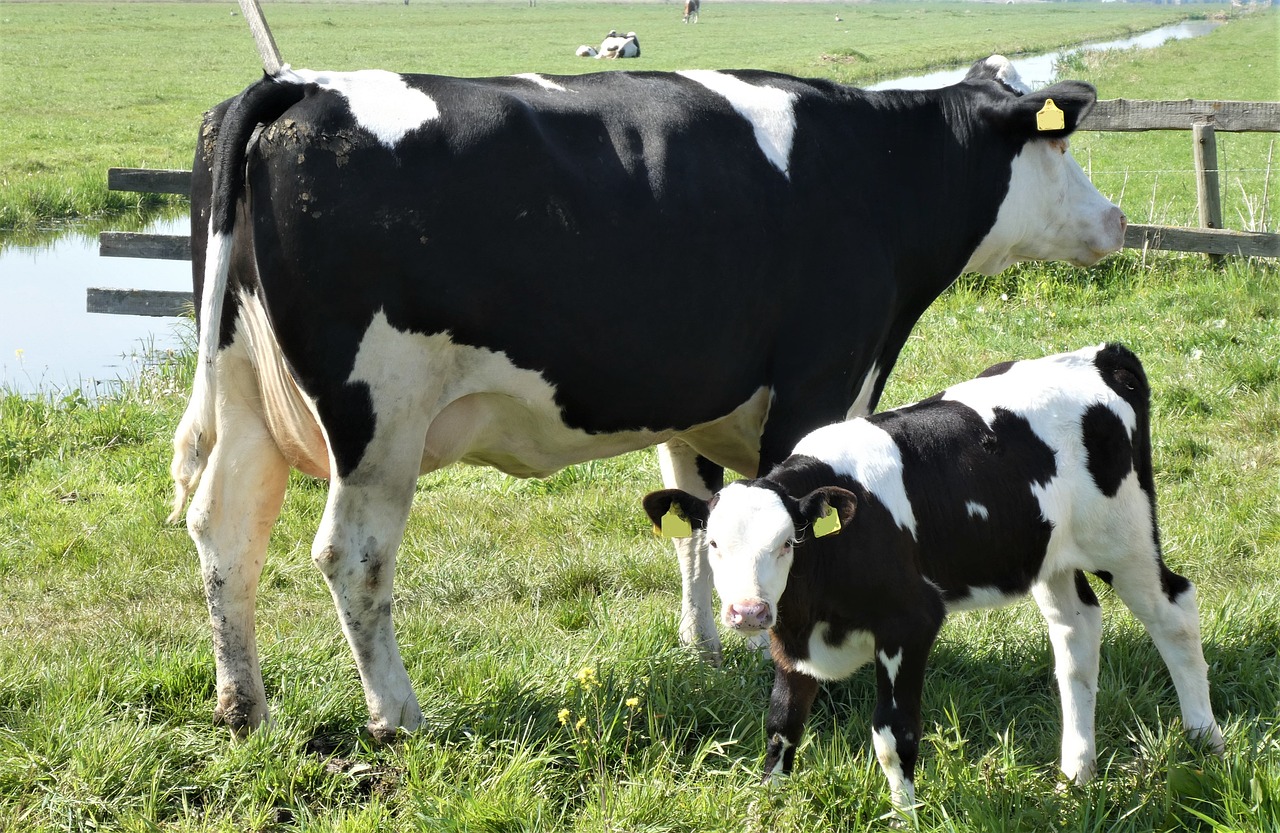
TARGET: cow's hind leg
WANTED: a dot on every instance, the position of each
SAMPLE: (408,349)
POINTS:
(682,468)
(1071,608)
(230,517)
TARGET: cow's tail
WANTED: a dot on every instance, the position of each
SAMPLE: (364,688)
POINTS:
(259,104)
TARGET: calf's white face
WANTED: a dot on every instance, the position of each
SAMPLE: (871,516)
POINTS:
(750,540)
(1051,212)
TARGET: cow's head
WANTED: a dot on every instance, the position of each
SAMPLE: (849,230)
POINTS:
(753,531)
(1051,211)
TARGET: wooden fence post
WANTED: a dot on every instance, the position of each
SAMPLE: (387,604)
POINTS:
(262,36)
(1208,191)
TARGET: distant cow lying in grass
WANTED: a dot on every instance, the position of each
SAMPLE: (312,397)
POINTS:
(856,546)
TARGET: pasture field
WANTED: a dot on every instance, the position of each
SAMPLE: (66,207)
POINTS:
(508,588)
(91,85)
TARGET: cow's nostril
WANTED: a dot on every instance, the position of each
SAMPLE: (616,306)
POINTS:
(749,614)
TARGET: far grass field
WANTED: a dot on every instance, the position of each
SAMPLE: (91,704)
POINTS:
(90,85)
(508,588)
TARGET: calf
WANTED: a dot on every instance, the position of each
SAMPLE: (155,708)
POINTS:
(856,546)
(619,46)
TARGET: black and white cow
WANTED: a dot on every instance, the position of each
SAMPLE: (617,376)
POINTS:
(388,274)
(855,547)
(619,46)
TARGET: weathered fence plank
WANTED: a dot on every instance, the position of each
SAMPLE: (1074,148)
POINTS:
(1122,114)
(151,302)
(1202,241)
(139,244)
(148,180)
(267,49)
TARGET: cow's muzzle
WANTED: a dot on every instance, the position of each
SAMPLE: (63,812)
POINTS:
(749,615)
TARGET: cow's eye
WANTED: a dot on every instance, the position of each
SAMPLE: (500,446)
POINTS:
(712,544)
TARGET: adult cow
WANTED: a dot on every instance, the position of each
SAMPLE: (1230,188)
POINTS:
(390,277)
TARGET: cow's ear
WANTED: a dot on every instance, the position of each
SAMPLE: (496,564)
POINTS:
(675,514)
(828,510)
(1051,113)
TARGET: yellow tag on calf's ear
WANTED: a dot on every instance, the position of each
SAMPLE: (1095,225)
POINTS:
(1050,117)
(828,524)
(675,524)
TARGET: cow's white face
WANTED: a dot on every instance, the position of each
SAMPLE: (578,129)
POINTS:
(1052,212)
(750,542)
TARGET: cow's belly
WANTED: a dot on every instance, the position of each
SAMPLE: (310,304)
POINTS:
(459,403)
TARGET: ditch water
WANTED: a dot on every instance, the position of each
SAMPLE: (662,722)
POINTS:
(50,345)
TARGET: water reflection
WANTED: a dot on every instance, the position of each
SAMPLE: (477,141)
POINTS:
(1039,70)
(50,344)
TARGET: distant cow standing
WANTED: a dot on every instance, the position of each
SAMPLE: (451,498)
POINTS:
(853,549)
(359,320)
(691,10)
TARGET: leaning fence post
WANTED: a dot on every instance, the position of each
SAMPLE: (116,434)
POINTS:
(1208,191)
(262,36)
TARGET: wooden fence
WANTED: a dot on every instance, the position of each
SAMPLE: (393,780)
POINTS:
(1203,118)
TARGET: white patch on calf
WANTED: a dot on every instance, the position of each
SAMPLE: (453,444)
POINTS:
(380,101)
(902,792)
(866,453)
(1050,212)
(891,664)
(748,535)
(770,111)
(836,662)
(976,510)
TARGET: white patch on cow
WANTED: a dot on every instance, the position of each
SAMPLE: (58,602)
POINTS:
(862,402)
(891,664)
(1050,212)
(836,662)
(770,111)
(976,510)
(1007,74)
(748,539)
(901,791)
(865,452)
(980,597)
(380,101)
(545,83)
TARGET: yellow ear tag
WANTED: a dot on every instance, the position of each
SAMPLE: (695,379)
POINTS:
(828,524)
(1050,117)
(675,525)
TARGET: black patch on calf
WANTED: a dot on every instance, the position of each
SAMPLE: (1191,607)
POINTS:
(1108,452)
(1172,584)
(1085,591)
(951,458)
(996,370)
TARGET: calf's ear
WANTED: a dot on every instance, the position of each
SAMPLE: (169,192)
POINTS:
(1051,113)
(828,510)
(675,514)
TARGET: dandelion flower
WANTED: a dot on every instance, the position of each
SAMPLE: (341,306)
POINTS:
(582,721)
(633,703)
(564,717)
(587,678)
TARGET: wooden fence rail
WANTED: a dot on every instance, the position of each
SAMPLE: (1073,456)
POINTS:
(1117,115)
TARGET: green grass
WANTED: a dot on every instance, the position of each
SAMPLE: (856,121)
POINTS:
(91,85)
(508,588)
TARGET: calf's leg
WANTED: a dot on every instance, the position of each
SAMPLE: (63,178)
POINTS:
(1071,608)
(1165,603)
(896,724)
(789,705)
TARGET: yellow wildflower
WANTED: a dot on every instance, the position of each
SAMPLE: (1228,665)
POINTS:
(633,703)
(564,717)
(587,678)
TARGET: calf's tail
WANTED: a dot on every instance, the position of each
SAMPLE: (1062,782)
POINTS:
(196,435)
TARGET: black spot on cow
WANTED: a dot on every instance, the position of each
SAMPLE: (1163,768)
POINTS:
(1108,451)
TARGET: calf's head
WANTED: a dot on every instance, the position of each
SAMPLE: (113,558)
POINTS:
(754,531)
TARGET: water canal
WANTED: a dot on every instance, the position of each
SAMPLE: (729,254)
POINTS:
(50,344)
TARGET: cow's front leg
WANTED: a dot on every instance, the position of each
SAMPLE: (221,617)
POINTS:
(230,517)
(896,724)
(682,468)
(356,551)
(789,705)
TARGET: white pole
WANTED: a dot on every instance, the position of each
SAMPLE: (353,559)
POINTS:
(262,36)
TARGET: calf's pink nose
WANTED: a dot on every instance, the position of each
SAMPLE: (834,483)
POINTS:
(752,614)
